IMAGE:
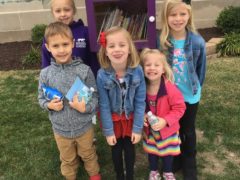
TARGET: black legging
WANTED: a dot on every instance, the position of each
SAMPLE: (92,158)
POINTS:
(123,145)
(187,131)
(187,159)
(166,162)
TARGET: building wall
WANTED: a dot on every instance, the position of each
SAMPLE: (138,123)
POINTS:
(205,12)
(17,17)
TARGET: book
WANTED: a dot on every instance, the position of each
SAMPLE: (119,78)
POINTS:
(115,17)
(141,28)
(102,26)
(109,20)
(120,19)
(81,89)
(135,24)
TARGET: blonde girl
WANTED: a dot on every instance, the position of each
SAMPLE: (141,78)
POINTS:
(165,101)
(64,11)
(121,87)
(166,27)
(187,57)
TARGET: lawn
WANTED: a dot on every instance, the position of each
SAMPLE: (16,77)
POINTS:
(28,150)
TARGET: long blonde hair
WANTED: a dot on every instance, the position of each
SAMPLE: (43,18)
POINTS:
(133,57)
(168,73)
(167,7)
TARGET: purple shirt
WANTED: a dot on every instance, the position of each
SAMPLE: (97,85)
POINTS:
(81,47)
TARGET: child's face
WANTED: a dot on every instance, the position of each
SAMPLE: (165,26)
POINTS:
(178,18)
(62,11)
(117,49)
(153,67)
(61,48)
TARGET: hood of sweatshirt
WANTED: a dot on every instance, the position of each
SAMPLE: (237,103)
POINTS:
(73,62)
(76,23)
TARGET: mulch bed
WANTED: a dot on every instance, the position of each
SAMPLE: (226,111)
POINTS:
(208,33)
(11,53)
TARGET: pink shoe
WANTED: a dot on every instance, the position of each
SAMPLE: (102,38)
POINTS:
(96,177)
(168,176)
(154,175)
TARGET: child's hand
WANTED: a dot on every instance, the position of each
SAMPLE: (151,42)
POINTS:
(55,104)
(111,140)
(145,136)
(160,124)
(145,123)
(78,105)
(135,138)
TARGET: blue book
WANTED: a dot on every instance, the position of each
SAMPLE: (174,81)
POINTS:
(81,89)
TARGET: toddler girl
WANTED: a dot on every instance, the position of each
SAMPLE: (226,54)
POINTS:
(166,102)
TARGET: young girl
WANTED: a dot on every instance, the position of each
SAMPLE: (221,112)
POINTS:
(187,57)
(166,102)
(122,92)
(64,11)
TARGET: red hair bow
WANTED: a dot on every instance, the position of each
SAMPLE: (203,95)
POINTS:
(102,39)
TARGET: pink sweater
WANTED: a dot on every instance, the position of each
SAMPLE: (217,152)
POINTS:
(170,107)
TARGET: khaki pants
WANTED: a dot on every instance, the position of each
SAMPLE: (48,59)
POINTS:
(71,148)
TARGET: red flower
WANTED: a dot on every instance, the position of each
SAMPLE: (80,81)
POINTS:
(102,39)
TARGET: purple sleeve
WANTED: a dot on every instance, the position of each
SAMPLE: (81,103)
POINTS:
(46,56)
(94,64)
(93,60)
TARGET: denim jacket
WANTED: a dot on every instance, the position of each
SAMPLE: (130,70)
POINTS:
(110,98)
(196,58)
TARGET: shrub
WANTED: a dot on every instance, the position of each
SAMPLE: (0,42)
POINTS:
(38,33)
(32,58)
(230,46)
(229,19)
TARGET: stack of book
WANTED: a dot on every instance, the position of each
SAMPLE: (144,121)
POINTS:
(135,24)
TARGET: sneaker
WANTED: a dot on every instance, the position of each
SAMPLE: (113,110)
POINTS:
(168,176)
(154,175)
(96,177)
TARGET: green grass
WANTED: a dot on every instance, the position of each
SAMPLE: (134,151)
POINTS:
(218,119)
(28,150)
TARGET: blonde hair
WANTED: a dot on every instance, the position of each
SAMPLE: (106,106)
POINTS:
(168,73)
(167,8)
(57,28)
(133,58)
(71,2)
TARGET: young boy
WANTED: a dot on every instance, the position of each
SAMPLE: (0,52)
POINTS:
(71,121)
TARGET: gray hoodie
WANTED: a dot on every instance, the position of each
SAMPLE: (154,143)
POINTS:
(68,122)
